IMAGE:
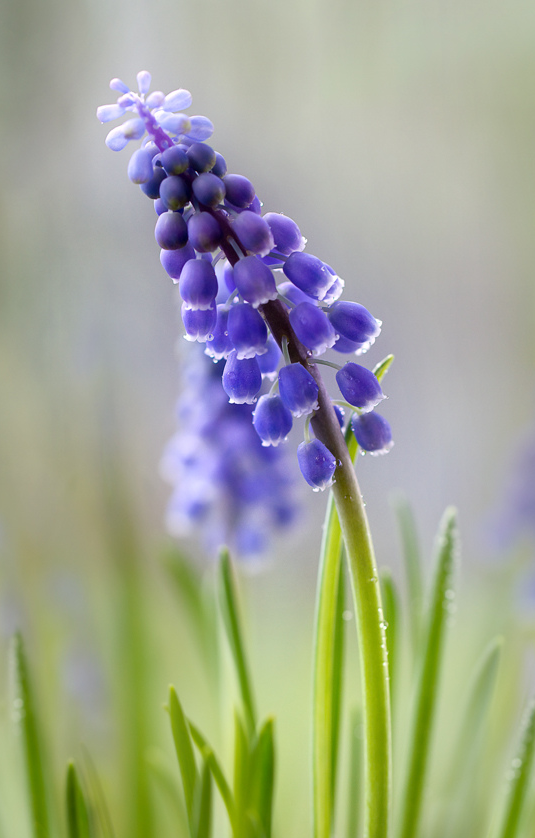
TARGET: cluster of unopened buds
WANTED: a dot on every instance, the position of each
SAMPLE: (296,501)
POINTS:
(249,292)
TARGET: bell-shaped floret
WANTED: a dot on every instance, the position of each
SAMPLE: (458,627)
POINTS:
(140,166)
(355,323)
(151,187)
(198,285)
(241,379)
(269,361)
(359,386)
(201,156)
(174,160)
(372,432)
(309,274)
(334,291)
(174,260)
(247,331)
(171,231)
(220,346)
(297,389)
(253,233)
(208,189)
(175,192)
(204,232)
(254,281)
(240,191)
(272,420)
(317,464)
(312,327)
(294,294)
(199,323)
(286,233)
(220,167)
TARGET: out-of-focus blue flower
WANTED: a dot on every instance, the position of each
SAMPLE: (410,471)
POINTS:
(225,483)
(515,515)
(256,274)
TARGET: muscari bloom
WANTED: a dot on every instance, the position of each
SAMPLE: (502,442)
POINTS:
(239,272)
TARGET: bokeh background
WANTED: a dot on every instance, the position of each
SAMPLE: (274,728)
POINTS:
(399,135)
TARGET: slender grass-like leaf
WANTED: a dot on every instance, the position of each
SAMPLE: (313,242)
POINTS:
(264,777)
(354,791)
(78,823)
(202,803)
(427,684)
(391,612)
(413,567)
(232,623)
(24,713)
(381,369)
(518,778)
(184,751)
(242,777)
(337,681)
(97,797)
(217,771)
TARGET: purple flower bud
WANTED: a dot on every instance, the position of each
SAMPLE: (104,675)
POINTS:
(286,233)
(225,275)
(201,156)
(204,232)
(269,361)
(340,415)
(241,379)
(171,231)
(347,347)
(220,167)
(293,293)
(272,420)
(174,260)
(140,166)
(309,274)
(247,331)
(174,160)
(297,389)
(208,189)
(372,432)
(220,346)
(240,191)
(359,386)
(199,323)
(198,285)
(317,464)
(175,192)
(253,232)
(177,100)
(334,291)
(151,188)
(312,327)
(254,281)
(354,322)
(159,207)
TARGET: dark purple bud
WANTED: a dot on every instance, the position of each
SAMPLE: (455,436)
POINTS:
(340,415)
(286,233)
(140,166)
(373,433)
(204,232)
(159,207)
(297,389)
(293,293)
(240,191)
(208,189)
(317,464)
(220,167)
(253,232)
(272,420)
(151,188)
(241,379)
(225,275)
(171,231)
(220,346)
(334,292)
(199,323)
(174,260)
(254,281)
(359,386)
(312,327)
(309,274)
(247,331)
(354,322)
(175,193)
(201,157)
(269,361)
(198,284)
(174,160)
(346,347)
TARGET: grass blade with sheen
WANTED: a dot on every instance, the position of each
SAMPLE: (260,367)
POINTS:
(217,771)
(78,824)
(264,777)
(519,776)
(184,751)
(202,803)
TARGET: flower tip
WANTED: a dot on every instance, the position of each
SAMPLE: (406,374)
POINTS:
(143,81)
(119,86)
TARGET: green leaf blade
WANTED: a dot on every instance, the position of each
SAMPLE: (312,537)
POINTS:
(184,751)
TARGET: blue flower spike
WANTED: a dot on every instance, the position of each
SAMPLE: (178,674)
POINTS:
(248,288)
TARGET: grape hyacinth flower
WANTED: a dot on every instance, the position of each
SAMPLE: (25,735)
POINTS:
(228,260)
(223,220)
(225,482)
